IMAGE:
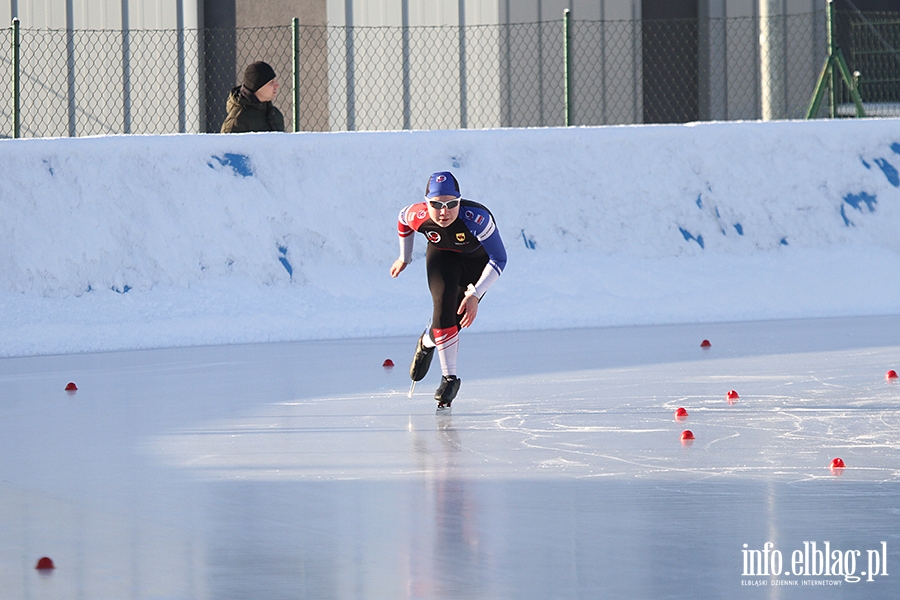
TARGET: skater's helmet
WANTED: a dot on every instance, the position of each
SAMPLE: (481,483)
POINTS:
(442,183)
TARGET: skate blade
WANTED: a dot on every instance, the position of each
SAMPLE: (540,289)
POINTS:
(443,409)
(411,388)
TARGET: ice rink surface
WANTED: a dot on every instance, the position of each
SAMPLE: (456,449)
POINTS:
(302,470)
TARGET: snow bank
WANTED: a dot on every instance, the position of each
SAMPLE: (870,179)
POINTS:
(147,241)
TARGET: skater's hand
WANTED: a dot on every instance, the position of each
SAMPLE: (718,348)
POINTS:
(468,308)
(397,267)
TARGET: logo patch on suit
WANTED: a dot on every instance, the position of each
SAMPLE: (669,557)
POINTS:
(433,236)
(460,237)
(469,215)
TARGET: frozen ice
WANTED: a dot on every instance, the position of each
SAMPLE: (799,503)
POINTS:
(303,470)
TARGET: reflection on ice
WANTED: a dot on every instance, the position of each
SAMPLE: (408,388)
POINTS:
(795,415)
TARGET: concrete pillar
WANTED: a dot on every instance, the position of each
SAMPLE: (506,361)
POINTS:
(773,59)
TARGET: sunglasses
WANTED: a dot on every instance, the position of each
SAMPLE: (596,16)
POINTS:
(439,205)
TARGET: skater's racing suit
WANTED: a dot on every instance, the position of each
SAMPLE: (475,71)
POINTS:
(466,255)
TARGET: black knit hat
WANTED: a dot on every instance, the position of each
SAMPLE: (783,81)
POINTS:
(257,75)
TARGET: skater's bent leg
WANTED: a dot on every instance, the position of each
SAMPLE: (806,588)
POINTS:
(447,348)
(444,270)
(428,337)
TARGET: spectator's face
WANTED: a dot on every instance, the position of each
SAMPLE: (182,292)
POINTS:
(268,92)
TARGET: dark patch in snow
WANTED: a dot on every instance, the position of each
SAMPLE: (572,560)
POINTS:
(847,221)
(529,241)
(857,200)
(284,261)
(889,171)
(238,163)
(688,236)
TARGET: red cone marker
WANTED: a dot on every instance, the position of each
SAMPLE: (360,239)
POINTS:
(687,434)
(388,363)
(892,374)
(45,564)
(837,463)
(681,414)
(71,387)
(705,344)
(732,395)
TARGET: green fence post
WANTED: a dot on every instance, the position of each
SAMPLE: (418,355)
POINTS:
(567,67)
(835,82)
(819,92)
(851,83)
(834,69)
(16,106)
(295,28)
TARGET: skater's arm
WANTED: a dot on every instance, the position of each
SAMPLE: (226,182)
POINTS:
(405,232)
(468,308)
(480,222)
(398,267)
(406,246)
(496,262)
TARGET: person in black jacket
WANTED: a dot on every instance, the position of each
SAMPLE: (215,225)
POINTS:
(250,105)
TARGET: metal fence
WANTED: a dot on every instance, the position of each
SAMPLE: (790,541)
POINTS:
(873,41)
(74,83)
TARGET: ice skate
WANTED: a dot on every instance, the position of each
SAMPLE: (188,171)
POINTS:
(446,392)
(421,361)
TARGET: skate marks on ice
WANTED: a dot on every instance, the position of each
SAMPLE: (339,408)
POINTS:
(795,413)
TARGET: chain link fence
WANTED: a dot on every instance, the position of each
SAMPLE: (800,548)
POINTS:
(873,43)
(76,83)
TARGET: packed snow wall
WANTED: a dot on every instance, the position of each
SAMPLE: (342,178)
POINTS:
(289,236)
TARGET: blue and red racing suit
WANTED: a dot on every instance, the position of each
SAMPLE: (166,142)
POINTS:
(468,252)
